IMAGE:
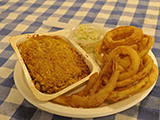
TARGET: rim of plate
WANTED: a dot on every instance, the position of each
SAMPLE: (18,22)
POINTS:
(77,112)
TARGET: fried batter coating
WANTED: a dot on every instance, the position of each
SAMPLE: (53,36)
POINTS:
(127,69)
(122,35)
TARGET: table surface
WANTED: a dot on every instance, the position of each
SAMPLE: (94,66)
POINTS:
(26,16)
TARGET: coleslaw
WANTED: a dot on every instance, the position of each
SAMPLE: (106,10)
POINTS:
(87,35)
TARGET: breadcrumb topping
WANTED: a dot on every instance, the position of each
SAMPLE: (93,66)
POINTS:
(52,63)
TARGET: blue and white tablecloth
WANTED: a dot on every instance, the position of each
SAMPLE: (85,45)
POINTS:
(27,16)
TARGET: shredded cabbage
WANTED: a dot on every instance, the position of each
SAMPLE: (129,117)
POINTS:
(87,33)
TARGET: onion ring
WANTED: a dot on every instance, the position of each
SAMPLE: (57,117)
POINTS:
(90,84)
(97,98)
(152,78)
(123,35)
(101,52)
(126,69)
(140,86)
(135,60)
(127,91)
(145,45)
(148,63)
(63,100)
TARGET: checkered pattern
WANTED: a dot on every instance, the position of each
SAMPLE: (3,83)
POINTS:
(21,16)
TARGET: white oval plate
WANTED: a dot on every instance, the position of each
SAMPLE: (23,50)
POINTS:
(102,110)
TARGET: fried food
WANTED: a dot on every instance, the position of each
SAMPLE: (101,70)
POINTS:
(65,100)
(97,98)
(141,85)
(90,84)
(128,86)
(145,45)
(128,90)
(123,51)
(123,35)
(52,63)
(89,100)
(146,66)
(152,78)
(127,69)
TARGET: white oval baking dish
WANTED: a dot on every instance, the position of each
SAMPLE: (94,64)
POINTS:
(16,40)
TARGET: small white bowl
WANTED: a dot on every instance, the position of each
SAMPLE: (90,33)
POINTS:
(16,40)
(87,35)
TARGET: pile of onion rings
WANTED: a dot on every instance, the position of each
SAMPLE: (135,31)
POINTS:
(126,69)
(127,36)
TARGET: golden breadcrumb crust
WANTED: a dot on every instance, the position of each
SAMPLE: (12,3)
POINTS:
(52,63)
